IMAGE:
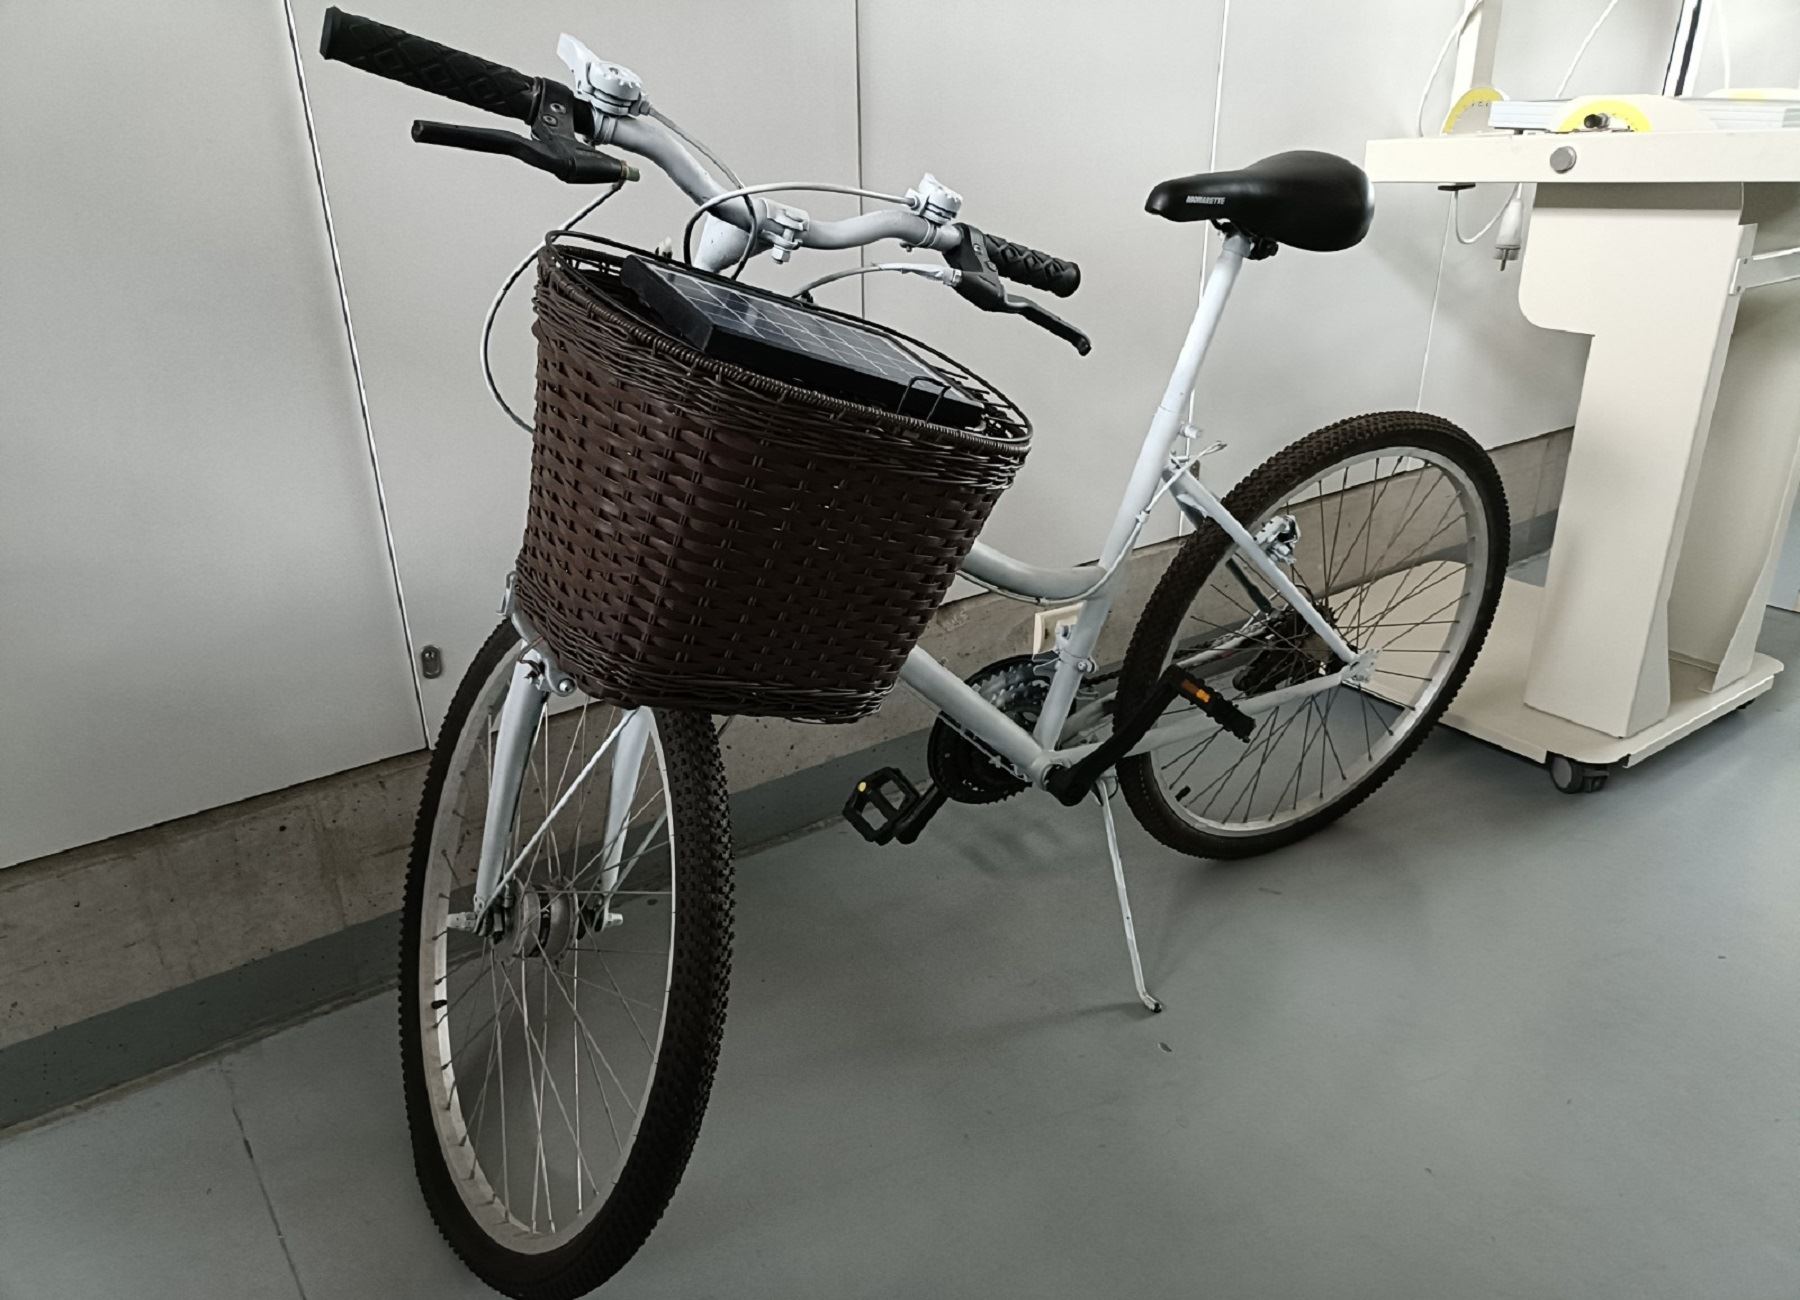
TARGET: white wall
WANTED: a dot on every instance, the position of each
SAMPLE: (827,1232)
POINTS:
(197,601)
(192,531)
(1317,336)
(428,234)
(1765,46)
(1053,119)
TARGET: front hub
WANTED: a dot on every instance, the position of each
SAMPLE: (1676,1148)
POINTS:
(543,925)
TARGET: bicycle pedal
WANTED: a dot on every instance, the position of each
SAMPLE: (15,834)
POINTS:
(1218,708)
(886,806)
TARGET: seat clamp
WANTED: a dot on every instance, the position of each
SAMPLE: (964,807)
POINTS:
(1260,247)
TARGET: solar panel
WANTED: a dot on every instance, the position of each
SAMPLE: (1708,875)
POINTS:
(787,340)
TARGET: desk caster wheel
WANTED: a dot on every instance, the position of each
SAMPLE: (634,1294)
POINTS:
(1572,777)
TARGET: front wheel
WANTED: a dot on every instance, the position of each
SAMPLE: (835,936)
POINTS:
(1398,528)
(557,1063)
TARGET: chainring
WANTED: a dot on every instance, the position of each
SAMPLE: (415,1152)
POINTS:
(964,769)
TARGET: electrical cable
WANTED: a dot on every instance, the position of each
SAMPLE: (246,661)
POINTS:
(1456,215)
(487,326)
(1582,49)
(708,154)
(1724,42)
(737,271)
(1443,53)
(687,231)
(1561,89)
(943,274)
(1450,38)
(725,170)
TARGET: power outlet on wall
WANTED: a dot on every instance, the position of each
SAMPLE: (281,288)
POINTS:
(1046,624)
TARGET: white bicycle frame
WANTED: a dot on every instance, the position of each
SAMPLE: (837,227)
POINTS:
(1033,754)
(1036,753)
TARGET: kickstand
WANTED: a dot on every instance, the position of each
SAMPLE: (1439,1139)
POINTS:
(1102,792)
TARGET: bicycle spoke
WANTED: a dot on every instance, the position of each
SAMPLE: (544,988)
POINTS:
(580,1024)
(527,1020)
(1384,538)
(1330,746)
(1379,566)
(1307,713)
(472,1038)
(613,988)
(450,1004)
(1198,752)
(1406,562)
(1412,593)
(1336,528)
(575,1082)
(474,1121)
(500,1045)
(626,1002)
(1365,530)
(546,1080)
(1274,738)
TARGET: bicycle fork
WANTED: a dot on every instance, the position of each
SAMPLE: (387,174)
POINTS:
(522,713)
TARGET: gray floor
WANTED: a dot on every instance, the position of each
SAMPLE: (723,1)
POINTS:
(1482,1040)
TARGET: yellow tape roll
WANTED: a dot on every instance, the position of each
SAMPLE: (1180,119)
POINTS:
(1473,96)
(1616,110)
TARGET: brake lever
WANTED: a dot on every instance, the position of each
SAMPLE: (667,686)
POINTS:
(979,283)
(577,164)
(986,292)
(552,146)
(1049,320)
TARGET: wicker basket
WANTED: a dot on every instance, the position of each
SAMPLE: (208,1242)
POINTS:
(702,537)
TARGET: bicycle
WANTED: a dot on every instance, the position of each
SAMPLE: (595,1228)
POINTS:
(556,828)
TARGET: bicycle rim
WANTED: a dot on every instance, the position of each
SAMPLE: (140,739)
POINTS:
(1394,548)
(540,1045)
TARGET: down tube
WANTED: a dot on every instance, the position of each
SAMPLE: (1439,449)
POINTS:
(959,700)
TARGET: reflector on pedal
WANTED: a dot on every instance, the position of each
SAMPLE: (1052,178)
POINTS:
(1219,709)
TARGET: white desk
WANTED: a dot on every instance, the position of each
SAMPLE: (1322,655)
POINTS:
(1686,448)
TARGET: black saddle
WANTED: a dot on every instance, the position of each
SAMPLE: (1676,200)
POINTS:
(1311,200)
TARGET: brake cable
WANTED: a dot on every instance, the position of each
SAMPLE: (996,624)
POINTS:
(487,326)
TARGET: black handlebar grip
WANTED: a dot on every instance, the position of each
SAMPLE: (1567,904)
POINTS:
(1028,266)
(425,65)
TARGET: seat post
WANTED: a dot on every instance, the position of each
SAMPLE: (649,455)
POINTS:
(1171,413)
(1213,297)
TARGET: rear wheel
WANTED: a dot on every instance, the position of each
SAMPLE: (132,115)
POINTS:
(1401,542)
(557,1065)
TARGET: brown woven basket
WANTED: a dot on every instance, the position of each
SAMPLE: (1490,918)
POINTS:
(702,537)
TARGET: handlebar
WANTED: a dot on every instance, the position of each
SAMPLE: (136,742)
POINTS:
(565,129)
